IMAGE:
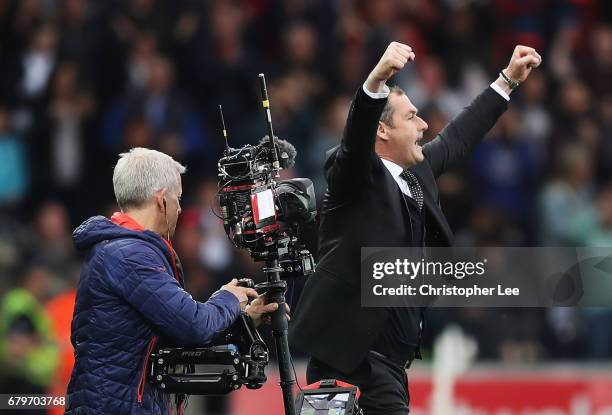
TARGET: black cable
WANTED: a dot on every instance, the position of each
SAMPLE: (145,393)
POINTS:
(297,382)
(212,209)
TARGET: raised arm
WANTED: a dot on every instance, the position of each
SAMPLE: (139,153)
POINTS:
(351,166)
(466,131)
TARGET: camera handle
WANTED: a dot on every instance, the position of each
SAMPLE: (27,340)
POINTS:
(275,289)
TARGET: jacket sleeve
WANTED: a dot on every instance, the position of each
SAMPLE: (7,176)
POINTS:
(352,166)
(142,280)
(465,131)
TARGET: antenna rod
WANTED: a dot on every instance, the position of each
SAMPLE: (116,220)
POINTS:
(224,130)
(266,104)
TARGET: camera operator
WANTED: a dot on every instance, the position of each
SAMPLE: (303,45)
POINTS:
(382,193)
(130,296)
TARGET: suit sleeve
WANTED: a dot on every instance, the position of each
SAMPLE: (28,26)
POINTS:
(465,131)
(352,165)
(141,279)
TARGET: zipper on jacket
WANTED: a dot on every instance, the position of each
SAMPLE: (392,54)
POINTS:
(143,376)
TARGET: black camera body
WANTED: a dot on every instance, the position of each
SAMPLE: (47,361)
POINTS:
(262,215)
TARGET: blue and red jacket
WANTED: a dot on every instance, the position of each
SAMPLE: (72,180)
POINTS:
(129,296)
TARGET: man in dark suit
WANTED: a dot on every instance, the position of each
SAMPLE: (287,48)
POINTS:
(382,192)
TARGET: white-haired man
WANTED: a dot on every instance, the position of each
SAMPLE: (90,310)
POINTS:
(130,296)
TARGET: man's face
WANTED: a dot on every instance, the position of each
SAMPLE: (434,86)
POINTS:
(407,130)
(173,207)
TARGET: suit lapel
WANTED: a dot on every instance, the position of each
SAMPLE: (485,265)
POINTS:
(393,189)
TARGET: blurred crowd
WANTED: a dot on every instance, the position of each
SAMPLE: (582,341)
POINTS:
(83,80)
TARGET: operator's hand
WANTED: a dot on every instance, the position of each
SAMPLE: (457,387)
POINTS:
(523,60)
(392,61)
(242,293)
(259,311)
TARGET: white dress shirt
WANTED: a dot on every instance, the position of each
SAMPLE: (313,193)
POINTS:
(396,170)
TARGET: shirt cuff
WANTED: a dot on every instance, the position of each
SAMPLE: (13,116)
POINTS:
(377,95)
(500,91)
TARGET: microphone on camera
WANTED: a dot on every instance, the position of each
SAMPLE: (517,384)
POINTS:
(285,150)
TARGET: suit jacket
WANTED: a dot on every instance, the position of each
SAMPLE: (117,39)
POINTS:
(363,207)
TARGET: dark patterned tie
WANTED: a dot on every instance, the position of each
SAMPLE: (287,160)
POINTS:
(415,187)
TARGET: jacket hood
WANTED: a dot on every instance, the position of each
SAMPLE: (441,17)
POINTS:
(99,228)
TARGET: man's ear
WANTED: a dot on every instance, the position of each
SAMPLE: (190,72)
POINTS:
(160,197)
(381,131)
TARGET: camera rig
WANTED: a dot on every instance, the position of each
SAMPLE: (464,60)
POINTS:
(265,217)
(237,358)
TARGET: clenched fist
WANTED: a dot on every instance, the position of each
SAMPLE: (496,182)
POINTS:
(392,61)
(523,60)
